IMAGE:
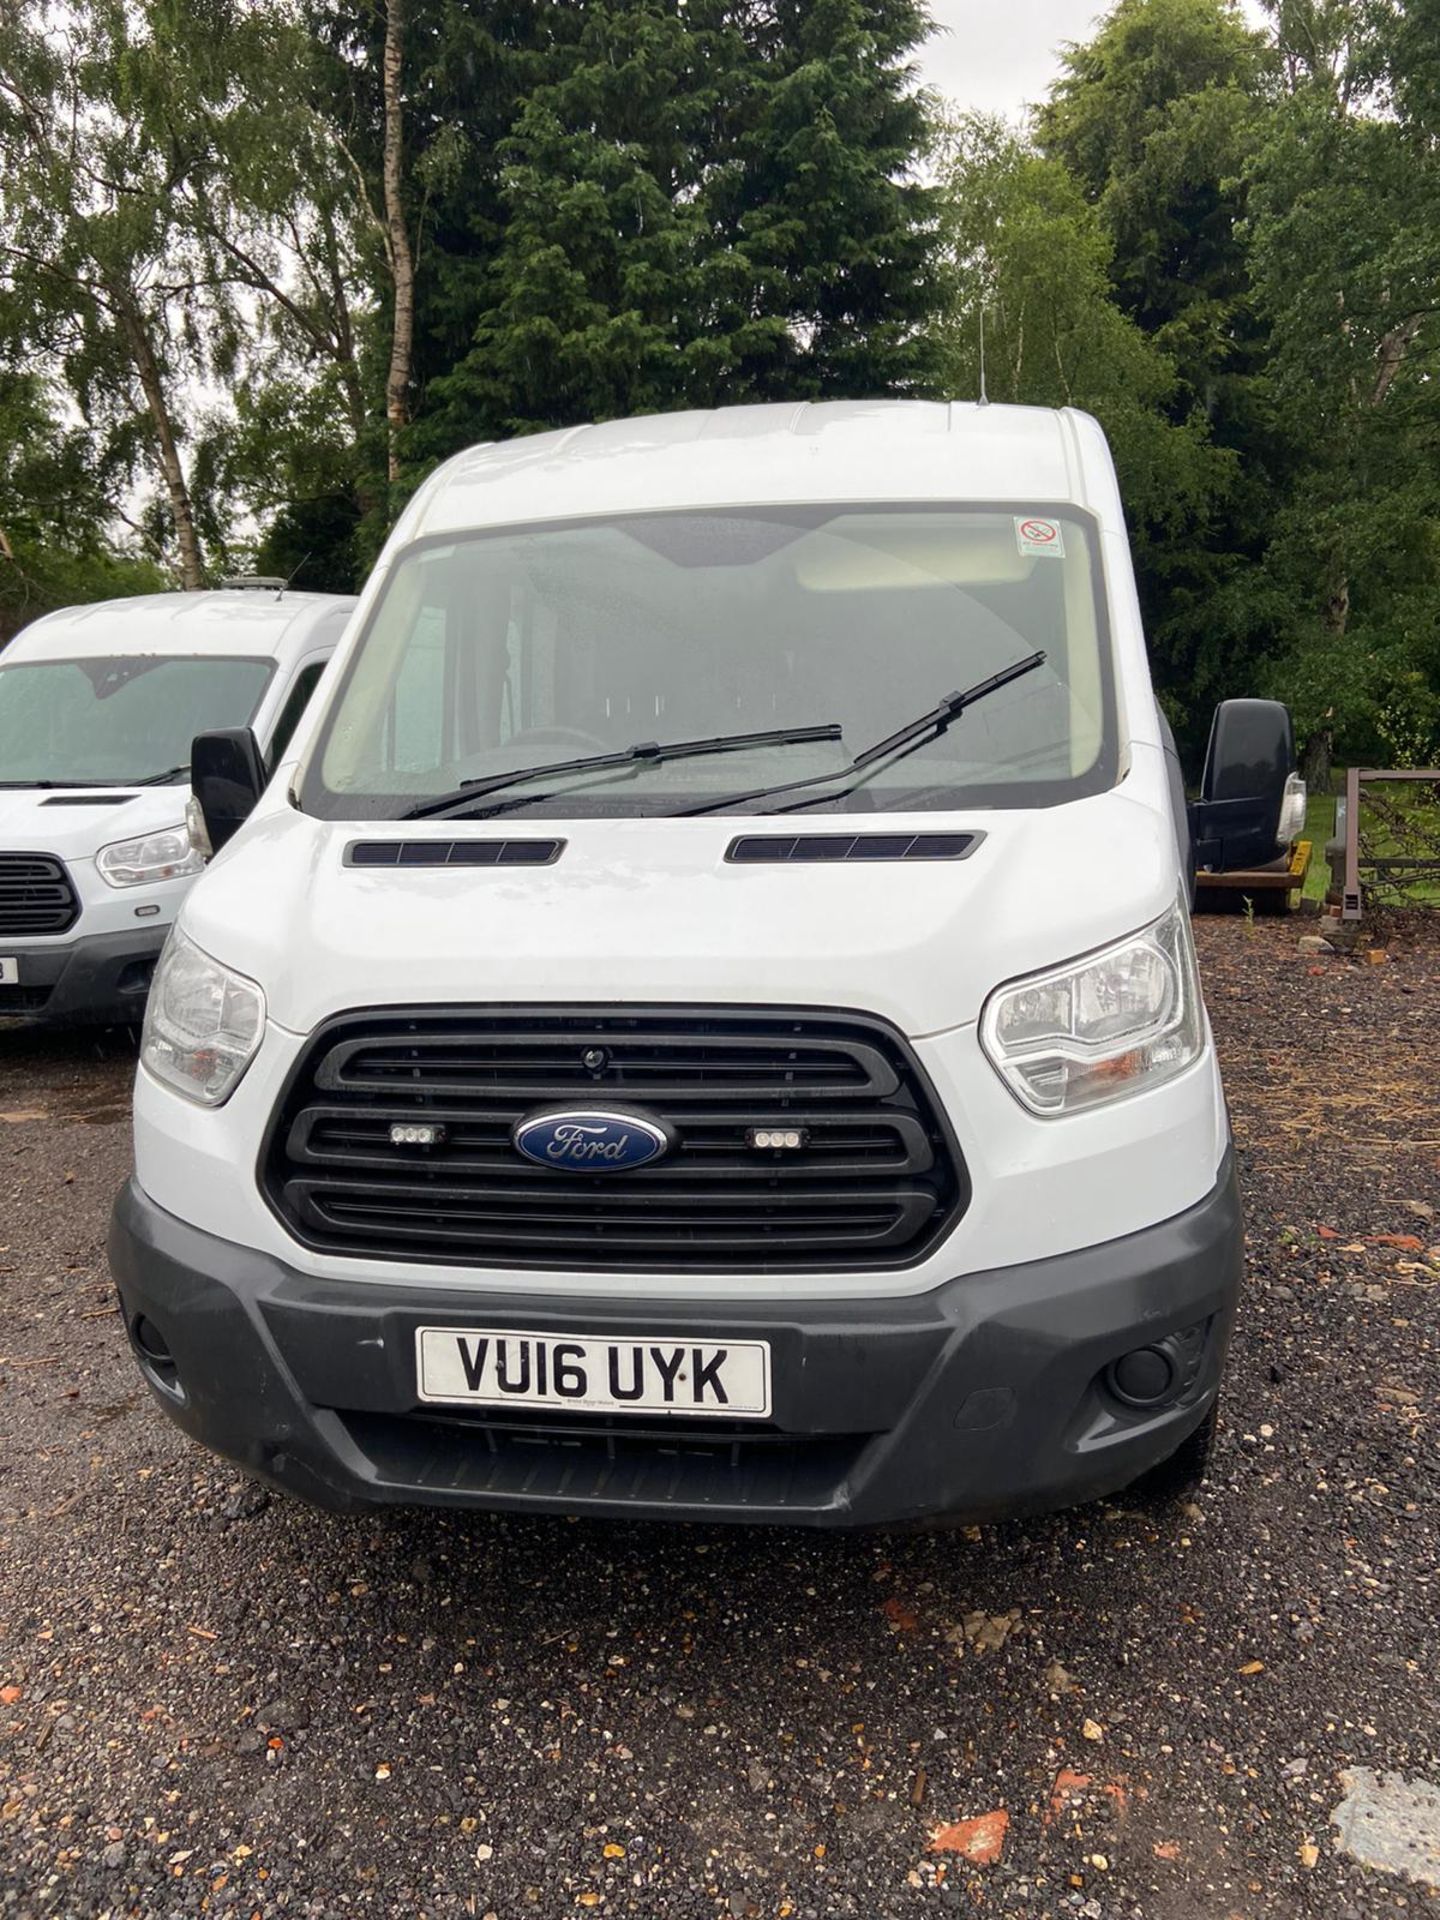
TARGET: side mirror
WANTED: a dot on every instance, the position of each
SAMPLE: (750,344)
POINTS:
(227,776)
(1249,789)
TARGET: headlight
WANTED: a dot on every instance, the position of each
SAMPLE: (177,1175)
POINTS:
(167,855)
(203,1024)
(1112,1024)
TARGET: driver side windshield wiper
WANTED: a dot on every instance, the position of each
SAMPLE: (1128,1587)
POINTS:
(157,779)
(906,740)
(458,804)
(48,786)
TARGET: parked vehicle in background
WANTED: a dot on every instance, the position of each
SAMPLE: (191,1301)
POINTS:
(703,1021)
(98,707)
(1242,856)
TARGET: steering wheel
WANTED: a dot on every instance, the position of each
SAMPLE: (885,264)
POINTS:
(557,737)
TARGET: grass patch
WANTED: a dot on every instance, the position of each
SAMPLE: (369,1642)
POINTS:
(1396,821)
(1319,829)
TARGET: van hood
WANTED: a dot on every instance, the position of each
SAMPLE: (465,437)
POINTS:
(638,911)
(73,823)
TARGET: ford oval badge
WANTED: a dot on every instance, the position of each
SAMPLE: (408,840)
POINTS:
(591,1142)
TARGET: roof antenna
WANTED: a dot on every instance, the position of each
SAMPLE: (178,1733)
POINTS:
(984,399)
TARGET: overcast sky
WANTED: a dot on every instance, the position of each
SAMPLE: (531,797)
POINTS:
(1000,55)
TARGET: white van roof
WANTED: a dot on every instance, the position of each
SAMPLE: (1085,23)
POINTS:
(849,450)
(243,621)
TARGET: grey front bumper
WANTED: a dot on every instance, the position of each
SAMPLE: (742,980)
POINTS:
(986,1396)
(103,979)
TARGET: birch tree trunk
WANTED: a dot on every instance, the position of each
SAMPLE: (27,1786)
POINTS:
(397,237)
(147,368)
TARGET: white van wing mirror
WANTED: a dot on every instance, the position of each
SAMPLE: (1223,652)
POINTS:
(227,774)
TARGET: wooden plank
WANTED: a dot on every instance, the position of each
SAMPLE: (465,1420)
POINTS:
(1266,879)
(1258,879)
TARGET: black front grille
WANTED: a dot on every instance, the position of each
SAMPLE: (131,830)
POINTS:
(23,1000)
(36,897)
(876,1182)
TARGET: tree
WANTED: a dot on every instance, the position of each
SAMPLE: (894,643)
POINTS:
(817,189)
(54,519)
(1346,263)
(1029,272)
(1157,118)
(399,254)
(277,214)
(89,244)
(597,281)
(702,203)
(417,103)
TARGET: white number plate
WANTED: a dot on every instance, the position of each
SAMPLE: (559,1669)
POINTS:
(9,972)
(481,1368)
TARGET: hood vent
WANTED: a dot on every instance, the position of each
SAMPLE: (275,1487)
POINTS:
(453,853)
(88,800)
(770,848)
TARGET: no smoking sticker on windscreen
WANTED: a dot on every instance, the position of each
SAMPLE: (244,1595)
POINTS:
(1033,535)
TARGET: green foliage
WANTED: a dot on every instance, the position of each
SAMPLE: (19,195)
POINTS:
(1155,119)
(54,548)
(1345,259)
(1029,263)
(98,278)
(1222,243)
(702,205)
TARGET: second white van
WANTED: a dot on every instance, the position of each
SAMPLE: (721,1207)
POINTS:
(98,707)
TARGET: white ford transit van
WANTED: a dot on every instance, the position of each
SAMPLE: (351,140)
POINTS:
(703,1021)
(98,706)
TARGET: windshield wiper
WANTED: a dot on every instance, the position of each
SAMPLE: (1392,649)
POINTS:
(157,779)
(915,733)
(457,805)
(48,786)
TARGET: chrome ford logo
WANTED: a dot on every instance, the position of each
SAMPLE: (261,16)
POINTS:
(591,1142)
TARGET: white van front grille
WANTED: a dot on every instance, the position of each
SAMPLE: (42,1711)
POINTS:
(36,897)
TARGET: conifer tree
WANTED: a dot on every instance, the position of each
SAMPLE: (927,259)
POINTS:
(704,204)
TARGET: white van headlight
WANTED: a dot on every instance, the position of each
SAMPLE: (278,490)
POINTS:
(167,855)
(203,1023)
(1112,1024)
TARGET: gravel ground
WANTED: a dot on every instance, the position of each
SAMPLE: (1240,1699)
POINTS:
(213,1701)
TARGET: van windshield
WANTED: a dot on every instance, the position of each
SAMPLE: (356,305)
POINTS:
(118,720)
(515,648)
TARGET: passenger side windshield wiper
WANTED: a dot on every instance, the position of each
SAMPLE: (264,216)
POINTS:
(906,740)
(460,803)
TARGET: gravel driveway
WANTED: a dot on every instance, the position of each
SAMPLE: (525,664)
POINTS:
(212,1701)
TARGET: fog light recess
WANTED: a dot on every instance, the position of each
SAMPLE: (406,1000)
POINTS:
(157,1362)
